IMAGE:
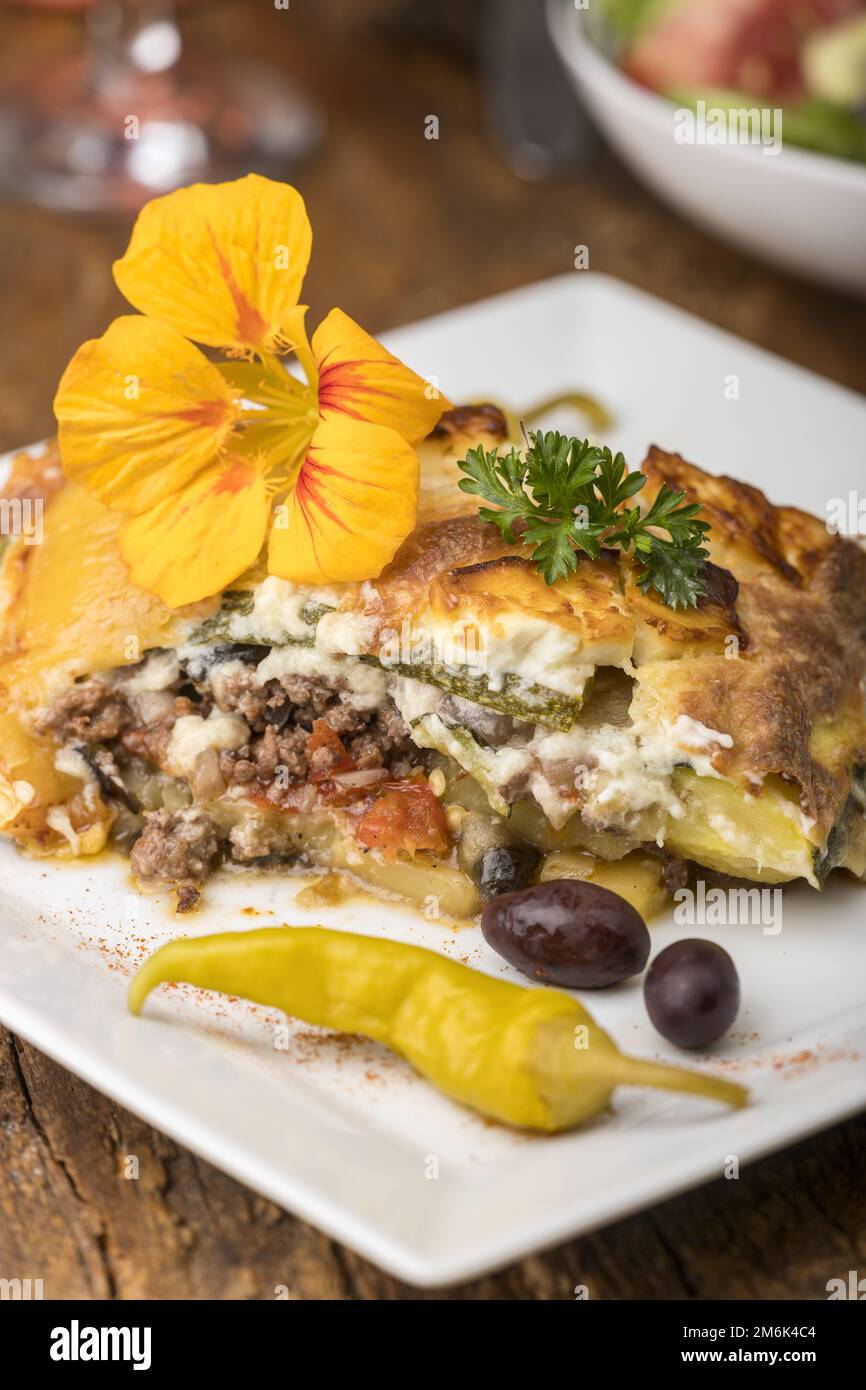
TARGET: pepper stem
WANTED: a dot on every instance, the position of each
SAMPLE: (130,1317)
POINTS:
(637,1072)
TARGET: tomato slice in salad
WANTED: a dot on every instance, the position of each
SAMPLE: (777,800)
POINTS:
(751,46)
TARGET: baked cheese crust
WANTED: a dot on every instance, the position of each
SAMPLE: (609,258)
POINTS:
(792,700)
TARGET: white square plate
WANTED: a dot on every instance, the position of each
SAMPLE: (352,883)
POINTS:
(344,1134)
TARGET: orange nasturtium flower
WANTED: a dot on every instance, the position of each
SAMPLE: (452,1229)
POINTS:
(208,460)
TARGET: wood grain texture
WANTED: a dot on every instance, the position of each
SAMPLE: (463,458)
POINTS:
(181,1229)
(403,228)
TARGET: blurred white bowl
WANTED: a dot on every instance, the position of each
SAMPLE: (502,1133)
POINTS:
(805,212)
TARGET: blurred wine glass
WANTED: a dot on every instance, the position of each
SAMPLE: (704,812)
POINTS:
(133,113)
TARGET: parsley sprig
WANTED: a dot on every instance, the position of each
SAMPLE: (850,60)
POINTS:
(564,496)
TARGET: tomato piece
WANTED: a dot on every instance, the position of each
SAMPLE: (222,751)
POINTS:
(323,736)
(750,46)
(407,817)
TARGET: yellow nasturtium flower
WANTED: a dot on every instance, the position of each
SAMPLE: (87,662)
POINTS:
(210,459)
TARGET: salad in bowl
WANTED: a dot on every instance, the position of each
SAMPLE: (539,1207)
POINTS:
(749,116)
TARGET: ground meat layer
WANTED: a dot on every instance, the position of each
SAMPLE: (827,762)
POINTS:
(286,749)
(282,713)
(91,712)
(176,847)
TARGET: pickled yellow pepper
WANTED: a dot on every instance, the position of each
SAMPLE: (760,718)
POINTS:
(529,1057)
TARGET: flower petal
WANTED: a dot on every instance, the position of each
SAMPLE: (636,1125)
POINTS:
(141,411)
(223,263)
(193,544)
(352,506)
(359,379)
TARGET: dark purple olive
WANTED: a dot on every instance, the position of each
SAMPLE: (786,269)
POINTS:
(566,932)
(692,992)
(505,868)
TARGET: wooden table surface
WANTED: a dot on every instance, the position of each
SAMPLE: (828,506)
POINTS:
(404,227)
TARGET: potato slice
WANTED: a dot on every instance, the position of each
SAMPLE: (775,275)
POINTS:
(637,877)
(756,837)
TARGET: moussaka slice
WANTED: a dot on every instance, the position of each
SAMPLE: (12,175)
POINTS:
(397,730)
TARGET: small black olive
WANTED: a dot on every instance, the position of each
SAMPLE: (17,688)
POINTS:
(692,992)
(504,868)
